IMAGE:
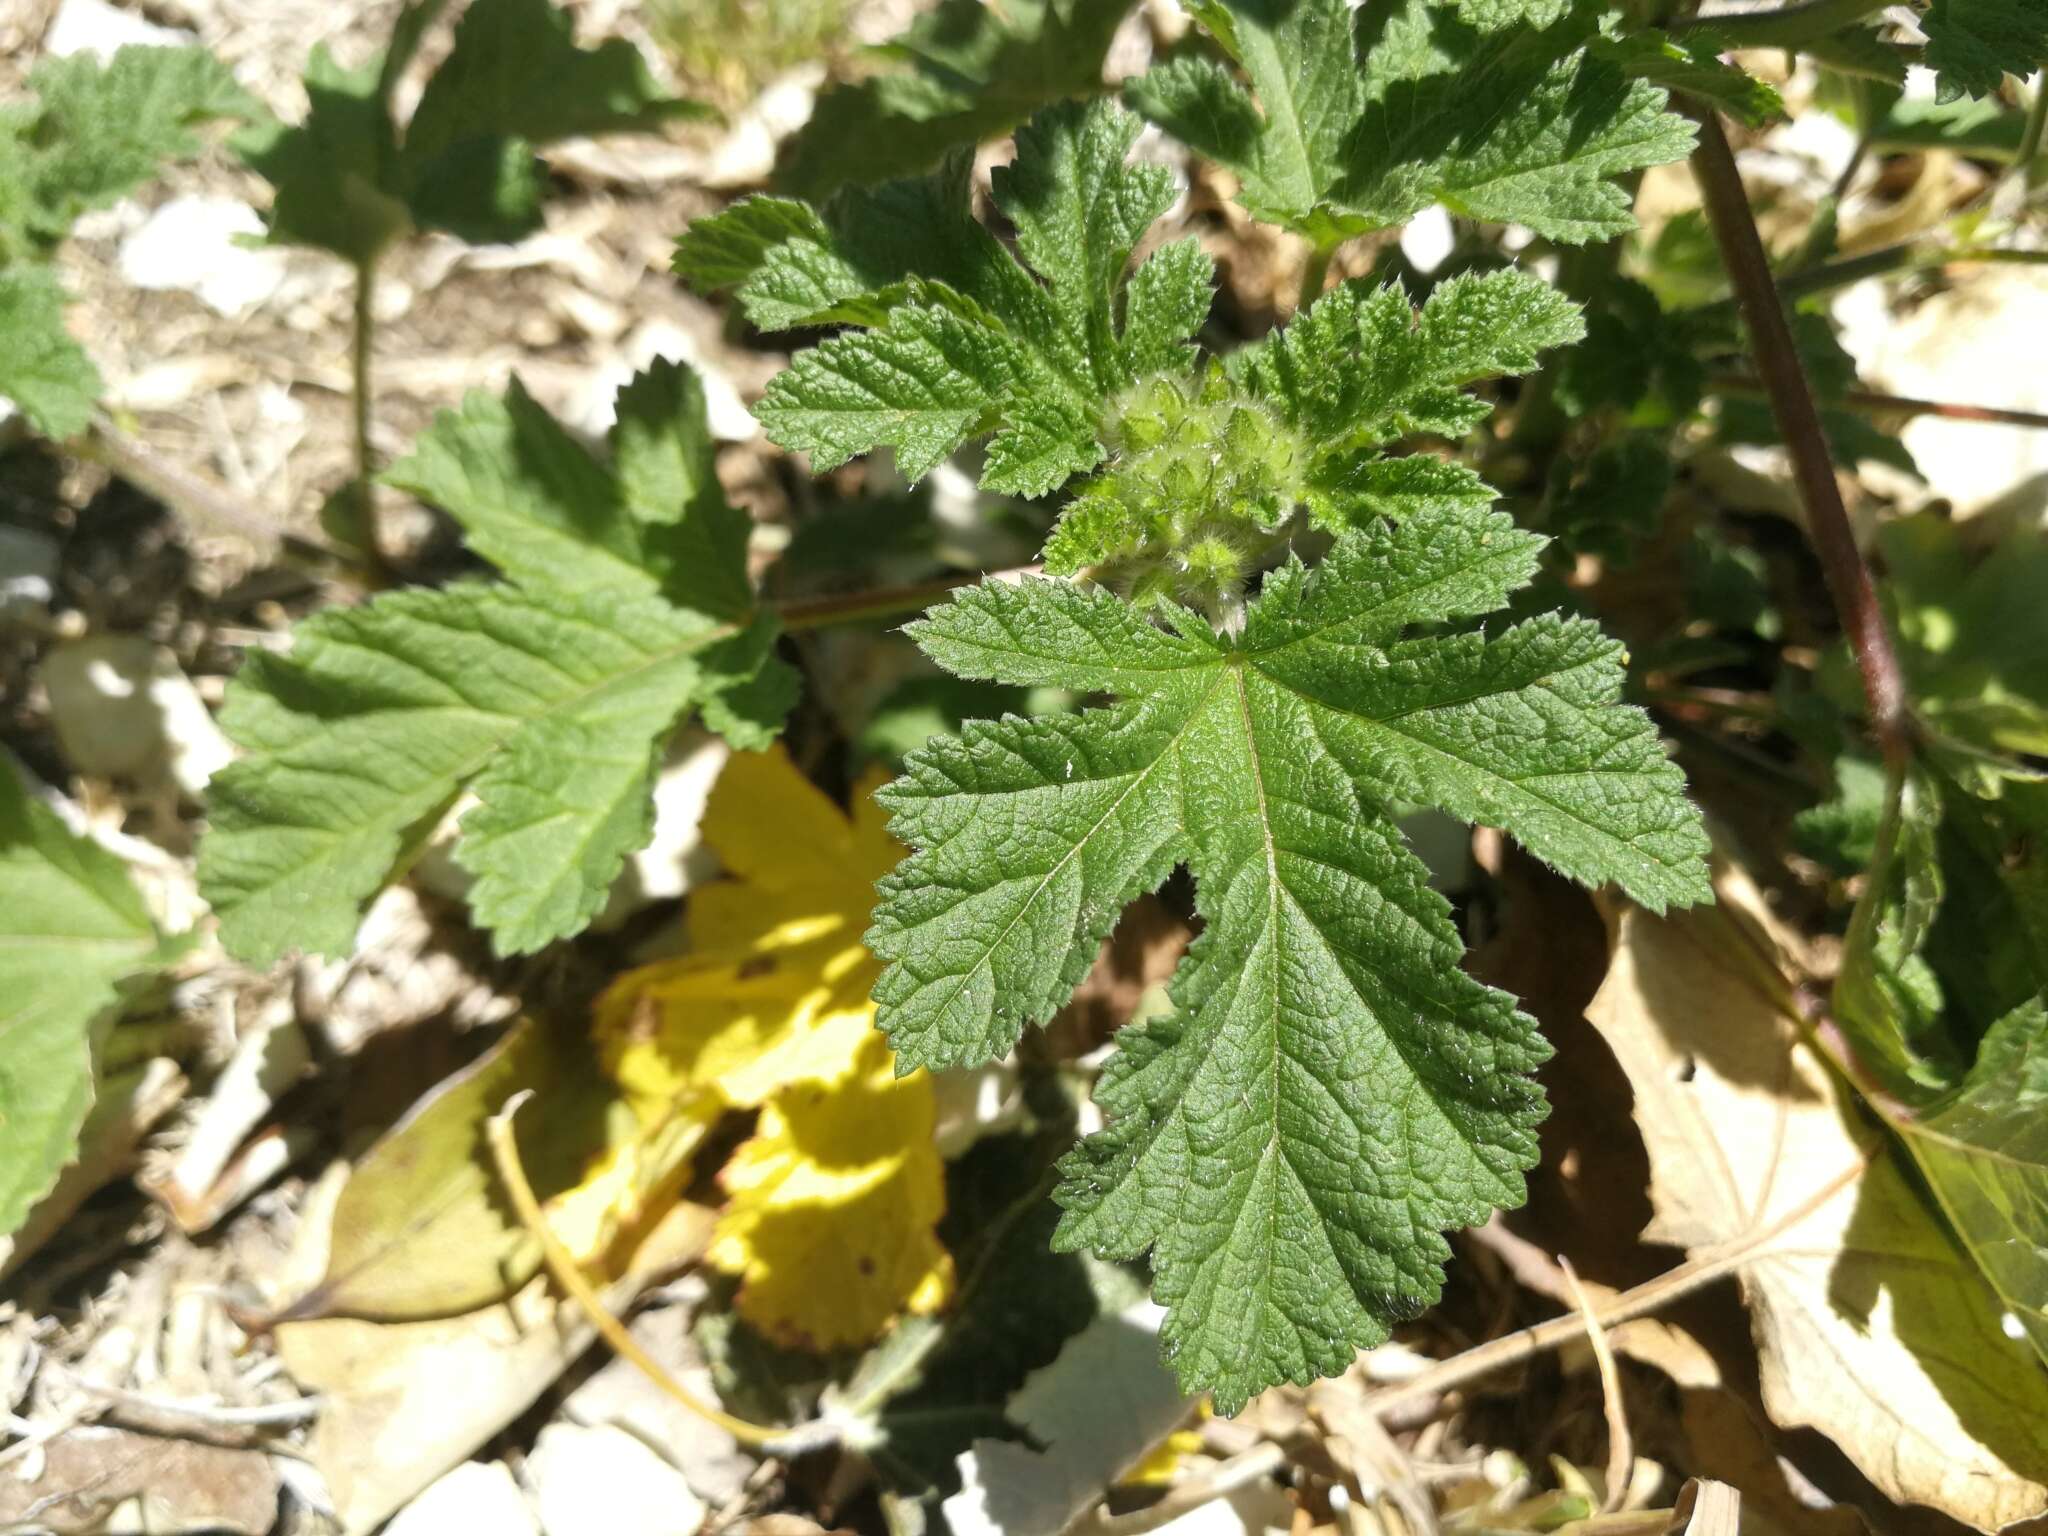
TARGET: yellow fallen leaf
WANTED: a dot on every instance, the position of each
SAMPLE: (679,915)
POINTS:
(633,1181)
(833,1202)
(1161,1466)
(777,978)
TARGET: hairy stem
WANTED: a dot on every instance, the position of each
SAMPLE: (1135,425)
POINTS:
(1784,26)
(210,507)
(882,602)
(1911,256)
(2032,171)
(1792,406)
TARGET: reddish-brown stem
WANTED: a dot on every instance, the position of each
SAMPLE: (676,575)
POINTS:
(1798,418)
(882,602)
(1878,403)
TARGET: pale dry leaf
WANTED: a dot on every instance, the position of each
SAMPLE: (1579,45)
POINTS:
(1093,1412)
(1707,1508)
(478,1498)
(1871,1324)
(620,1395)
(602,1481)
(393,1423)
(1725,1442)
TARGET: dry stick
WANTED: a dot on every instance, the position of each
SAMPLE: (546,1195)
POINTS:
(561,1263)
(1621,1450)
(1878,403)
(1481,1361)
(1798,419)
(1694,1274)
(1248,1467)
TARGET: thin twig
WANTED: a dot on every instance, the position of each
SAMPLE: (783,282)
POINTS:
(1798,419)
(1260,1461)
(213,508)
(1706,1267)
(1696,1273)
(1621,1450)
(561,1264)
(1877,403)
(209,1422)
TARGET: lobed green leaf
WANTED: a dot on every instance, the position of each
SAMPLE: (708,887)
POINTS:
(1496,109)
(953,336)
(546,700)
(1331,1091)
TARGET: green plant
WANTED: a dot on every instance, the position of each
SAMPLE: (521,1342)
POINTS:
(1262,744)
(1281,608)
(92,134)
(350,179)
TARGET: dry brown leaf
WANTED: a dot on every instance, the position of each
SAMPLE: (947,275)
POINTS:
(1871,1324)
(1724,1442)
(407,1401)
(1707,1509)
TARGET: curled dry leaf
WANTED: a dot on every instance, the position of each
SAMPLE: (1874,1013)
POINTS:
(1871,1323)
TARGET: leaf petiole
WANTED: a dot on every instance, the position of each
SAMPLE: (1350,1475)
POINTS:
(562,1265)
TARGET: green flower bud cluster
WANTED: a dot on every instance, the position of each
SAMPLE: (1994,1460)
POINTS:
(1202,486)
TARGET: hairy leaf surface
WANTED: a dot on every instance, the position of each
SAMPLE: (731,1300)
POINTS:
(95,131)
(43,370)
(349,182)
(1497,111)
(1973,44)
(973,72)
(1331,1091)
(953,337)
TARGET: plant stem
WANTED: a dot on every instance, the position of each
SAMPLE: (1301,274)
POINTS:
(1242,1470)
(1792,406)
(1785,26)
(361,345)
(210,507)
(2028,160)
(562,1265)
(1876,403)
(882,602)
(1907,257)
